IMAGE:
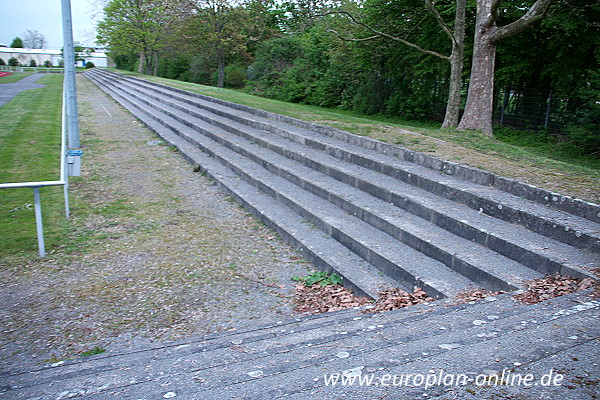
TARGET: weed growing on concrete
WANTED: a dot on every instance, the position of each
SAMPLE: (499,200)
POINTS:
(320,277)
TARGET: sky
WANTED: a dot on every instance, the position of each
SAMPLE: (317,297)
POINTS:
(45,16)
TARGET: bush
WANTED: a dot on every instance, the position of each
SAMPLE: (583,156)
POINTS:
(32,63)
(201,71)
(585,138)
(2,62)
(47,64)
(13,62)
(235,76)
(89,64)
(174,67)
(126,63)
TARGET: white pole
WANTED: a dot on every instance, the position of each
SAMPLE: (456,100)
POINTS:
(71,92)
(38,221)
(64,176)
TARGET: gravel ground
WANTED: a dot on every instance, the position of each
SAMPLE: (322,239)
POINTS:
(162,255)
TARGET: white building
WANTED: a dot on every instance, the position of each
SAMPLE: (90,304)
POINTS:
(40,56)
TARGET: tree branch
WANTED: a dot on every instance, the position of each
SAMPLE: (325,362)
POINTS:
(388,36)
(493,17)
(354,39)
(535,13)
(440,21)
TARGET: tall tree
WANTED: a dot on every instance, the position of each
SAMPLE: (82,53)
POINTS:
(137,26)
(456,35)
(33,39)
(480,97)
(223,28)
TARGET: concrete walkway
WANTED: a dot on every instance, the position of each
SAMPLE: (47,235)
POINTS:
(10,90)
(490,349)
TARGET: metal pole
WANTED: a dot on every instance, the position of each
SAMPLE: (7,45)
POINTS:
(38,221)
(64,176)
(66,192)
(69,59)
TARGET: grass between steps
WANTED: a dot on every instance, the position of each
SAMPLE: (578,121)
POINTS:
(539,163)
(30,136)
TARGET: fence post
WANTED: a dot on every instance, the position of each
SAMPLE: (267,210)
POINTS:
(38,221)
(504,105)
(547,121)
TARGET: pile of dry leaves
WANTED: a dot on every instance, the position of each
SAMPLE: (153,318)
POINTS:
(314,299)
(392,299)
(554,286)
(317,298)
(473,295)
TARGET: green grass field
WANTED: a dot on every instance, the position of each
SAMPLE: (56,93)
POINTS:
(30,151)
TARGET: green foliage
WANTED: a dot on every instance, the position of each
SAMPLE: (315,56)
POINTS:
(13,62)
(89,65)
(32,63)
(95,350)
(287,51)
(319,277)
(235,76)
(135,27)
(561,53)
(578,146)
(201,71)
(174,67)
(124,62)
(17,43)
(48,64)
(2,62)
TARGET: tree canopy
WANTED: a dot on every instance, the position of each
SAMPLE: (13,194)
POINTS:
(33,39)
(17,43)
(402,58)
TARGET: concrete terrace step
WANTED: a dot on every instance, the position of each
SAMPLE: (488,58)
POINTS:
(555,256)
(559,258)
(395,259)
(488,269)
(290,359)
(563,226)
(322,250)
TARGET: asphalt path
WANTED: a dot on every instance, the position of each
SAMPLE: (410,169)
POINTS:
(10,90)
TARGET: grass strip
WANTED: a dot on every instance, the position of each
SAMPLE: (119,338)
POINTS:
(30,136)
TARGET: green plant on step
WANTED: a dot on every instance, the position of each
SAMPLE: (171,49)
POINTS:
(95,350)
(320,277)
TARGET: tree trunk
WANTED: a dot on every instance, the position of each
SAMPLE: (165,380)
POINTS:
(155,64)
(456,67)
(220,68)
(142,62)
(480,99)
(148,69)
(453,106)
